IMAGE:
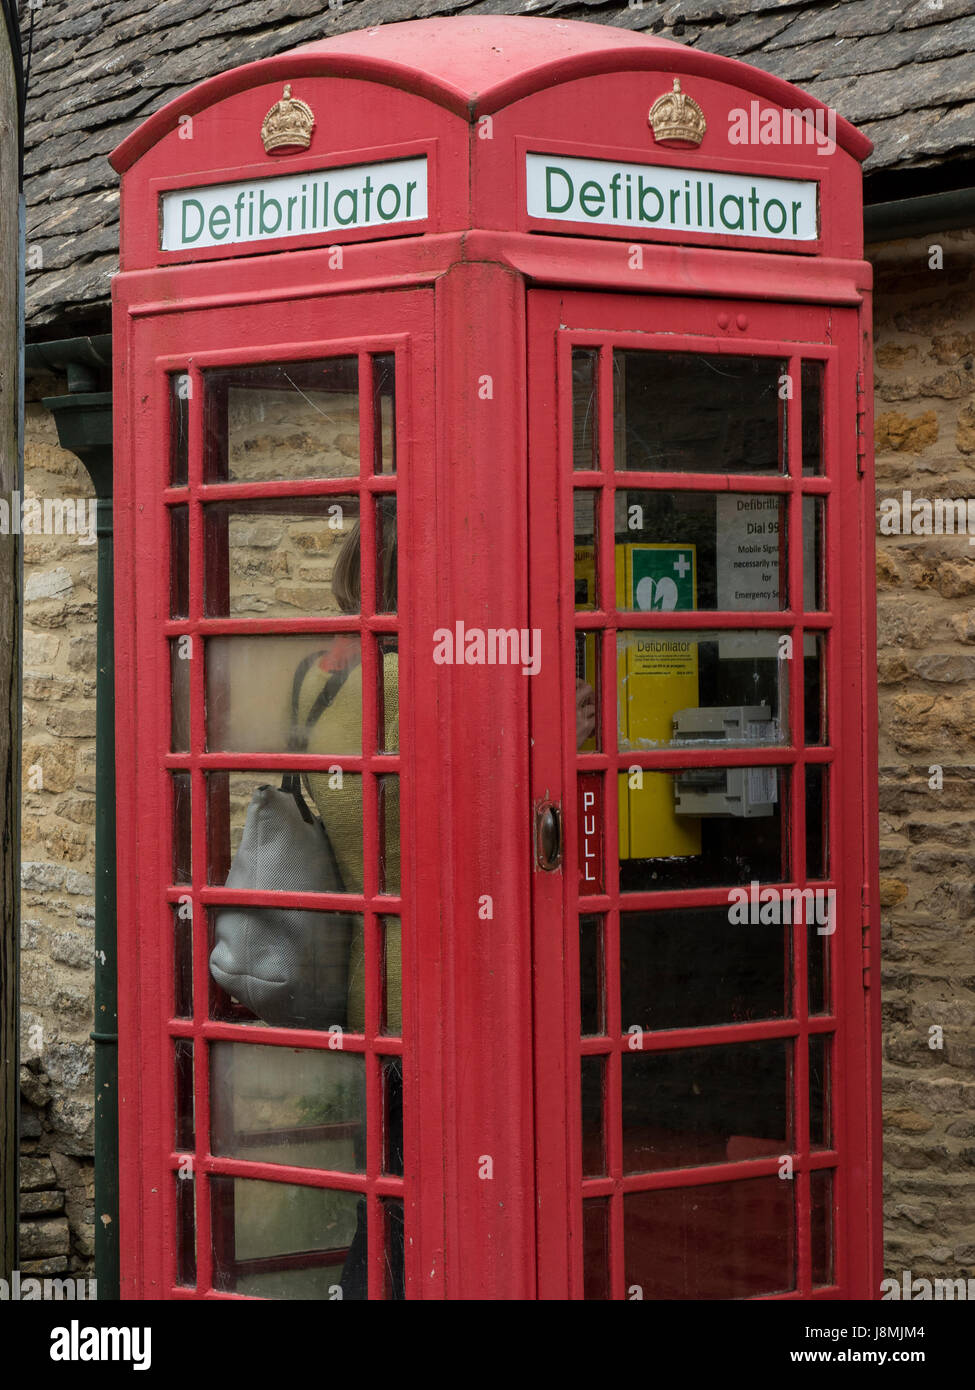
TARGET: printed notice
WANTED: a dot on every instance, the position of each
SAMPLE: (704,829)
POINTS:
(749,546)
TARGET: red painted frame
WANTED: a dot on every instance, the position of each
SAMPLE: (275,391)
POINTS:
(159,345)
(486,1024)
(555,327)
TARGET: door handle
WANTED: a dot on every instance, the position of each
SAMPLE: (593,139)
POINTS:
(548,835)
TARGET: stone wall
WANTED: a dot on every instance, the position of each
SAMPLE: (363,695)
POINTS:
(925,441)
(58,847)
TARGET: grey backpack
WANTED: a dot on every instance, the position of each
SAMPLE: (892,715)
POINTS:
(289,966)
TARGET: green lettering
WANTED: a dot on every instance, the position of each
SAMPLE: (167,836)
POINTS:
(549,204)
(184,234)
(591,193)
(219,223)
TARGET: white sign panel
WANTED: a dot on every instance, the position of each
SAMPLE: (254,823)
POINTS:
(607,193)
(295,205)
(747,563)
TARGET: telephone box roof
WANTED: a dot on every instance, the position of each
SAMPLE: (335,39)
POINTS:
(475,65)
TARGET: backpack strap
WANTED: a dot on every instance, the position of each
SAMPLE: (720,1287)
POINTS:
(300,732)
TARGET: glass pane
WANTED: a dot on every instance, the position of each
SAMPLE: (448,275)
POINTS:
(392,1092)
(279,1240)
(703,828)
(186,1230)
(820,1104)
(389,844)
(591,822)
(595,1248)
(679,688)
(593,1132)
(585,514)
(703,1105)
(812,417)
(689,412)
(814,665)
(282,420)
(251,687)
(391,1018)
(387,705)
(281,1105)
(821,1194)
(179,562)
(723,1240)
(179,667)
(816,820)
(336,796)
(592,986)
(182,829)
(183,1067)
(814,554)
(182,964)
(700,550)
(287,967)
(395,1249)
(180,389)
(817,971)
(588,688)
(693,968)
(384,412)
(386,555)
(585,433)
(282,559)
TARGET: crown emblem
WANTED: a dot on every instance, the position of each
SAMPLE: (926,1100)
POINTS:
(675,116)
(288,124)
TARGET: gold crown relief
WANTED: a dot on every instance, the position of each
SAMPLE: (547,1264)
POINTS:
(288,124)
(676,116)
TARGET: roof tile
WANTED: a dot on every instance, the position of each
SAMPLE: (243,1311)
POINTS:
(902,68)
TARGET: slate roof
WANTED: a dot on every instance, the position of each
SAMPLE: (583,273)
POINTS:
(902,70)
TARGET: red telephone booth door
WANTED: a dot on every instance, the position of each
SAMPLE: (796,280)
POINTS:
(700,1008)
(278,1154)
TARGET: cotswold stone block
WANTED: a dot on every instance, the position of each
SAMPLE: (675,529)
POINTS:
(910,1121)
(41,1203)
(72,721)
(40,1238)
(72,948)
(52,765)
(48,584)
(36,1173)
(965,433)
(892,891)
(894,431)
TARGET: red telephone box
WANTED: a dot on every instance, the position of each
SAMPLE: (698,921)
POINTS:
(494,488)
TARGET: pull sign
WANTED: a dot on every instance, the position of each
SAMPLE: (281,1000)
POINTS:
(548,835)
(590,833)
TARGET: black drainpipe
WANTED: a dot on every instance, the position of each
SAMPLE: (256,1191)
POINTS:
(935,212)
(84,421)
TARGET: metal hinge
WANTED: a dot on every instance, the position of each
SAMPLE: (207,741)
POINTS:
(861,418)
(867,949)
